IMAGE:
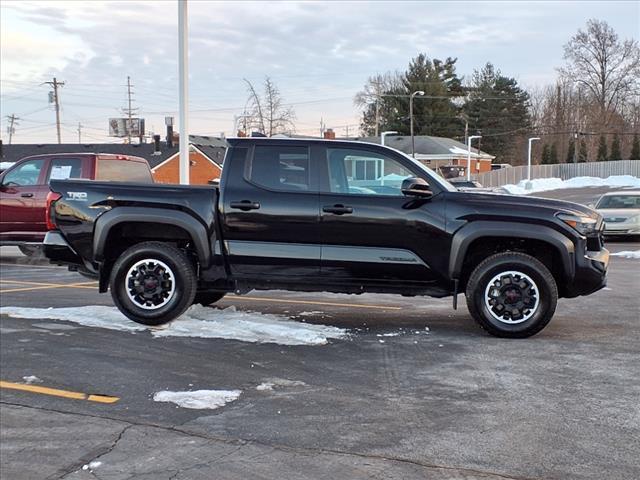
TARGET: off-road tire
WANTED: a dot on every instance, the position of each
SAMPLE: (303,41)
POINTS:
(184,284)
(487,270)
(207,298)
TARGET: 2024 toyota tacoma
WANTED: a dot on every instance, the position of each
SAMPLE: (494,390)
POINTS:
(326,215)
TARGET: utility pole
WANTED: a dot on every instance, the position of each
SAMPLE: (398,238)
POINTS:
(377,114)
(129,111)
(79,132)
(347,131)
(183,88)
(56,99)
(10,129)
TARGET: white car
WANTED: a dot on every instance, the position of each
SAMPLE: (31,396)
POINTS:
(621,212)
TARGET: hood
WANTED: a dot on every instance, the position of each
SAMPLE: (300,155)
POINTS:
(503,203)
(619,212)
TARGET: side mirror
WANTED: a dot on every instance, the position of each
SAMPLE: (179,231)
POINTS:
(416,187)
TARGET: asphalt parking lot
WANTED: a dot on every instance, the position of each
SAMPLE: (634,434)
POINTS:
(415,390)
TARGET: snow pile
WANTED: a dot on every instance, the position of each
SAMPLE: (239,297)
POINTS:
(627,254)
(5,165)
(197,321)
(91,465)
(544,184)
(198,399)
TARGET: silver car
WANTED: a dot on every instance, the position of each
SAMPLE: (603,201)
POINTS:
(621,212)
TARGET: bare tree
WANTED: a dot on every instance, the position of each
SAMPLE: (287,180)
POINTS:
(267,113)
(607,68)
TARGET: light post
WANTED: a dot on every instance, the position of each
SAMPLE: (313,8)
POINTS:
(472,137)
(384,134)
(413,146)
(183,84)
(531,140)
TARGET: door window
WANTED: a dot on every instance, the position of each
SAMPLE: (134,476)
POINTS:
(26,174)
(360,172)
(280,168)
(65,168)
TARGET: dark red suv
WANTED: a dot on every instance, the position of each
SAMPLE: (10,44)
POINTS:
(24,189)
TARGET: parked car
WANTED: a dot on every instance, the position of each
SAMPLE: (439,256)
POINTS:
(24,189)
(159,249)
(621,212)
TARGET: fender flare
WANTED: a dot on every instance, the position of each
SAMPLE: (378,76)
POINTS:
(463,238)
(118,215)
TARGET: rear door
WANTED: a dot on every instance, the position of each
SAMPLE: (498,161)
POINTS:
(371,232)
(23,189)
(270,213)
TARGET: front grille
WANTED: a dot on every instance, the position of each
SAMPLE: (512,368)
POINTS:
(614,219)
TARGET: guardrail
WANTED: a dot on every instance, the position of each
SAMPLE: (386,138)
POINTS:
(565,171)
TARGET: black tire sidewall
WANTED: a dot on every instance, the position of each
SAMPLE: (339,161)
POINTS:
(183,274)
(542,316)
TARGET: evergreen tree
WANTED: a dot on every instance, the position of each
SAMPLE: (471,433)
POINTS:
(583,154)
(571,151)
(495,105)
(435,113)
(546,155)
(602,150)
(553,153)
(635,148)
(616,151)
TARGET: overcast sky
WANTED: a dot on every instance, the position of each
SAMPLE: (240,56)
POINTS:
(319,54)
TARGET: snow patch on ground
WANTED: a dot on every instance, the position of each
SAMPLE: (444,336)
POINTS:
(29,379)
(544,184)
(197,321)
(91,465)
(627,254)
(198,399)
(272,383)
(5,165)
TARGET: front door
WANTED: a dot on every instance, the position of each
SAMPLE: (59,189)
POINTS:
(22,192)
(371,232)
(270,211)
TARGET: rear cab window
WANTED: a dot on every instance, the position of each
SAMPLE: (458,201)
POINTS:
(65,168)
(122,170)
(280,167)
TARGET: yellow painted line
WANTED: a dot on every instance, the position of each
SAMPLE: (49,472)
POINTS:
(58,393)
(311,302)
(44,286)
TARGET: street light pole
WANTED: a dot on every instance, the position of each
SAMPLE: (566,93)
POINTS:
(472,137)
(532,139)
(413,146)
(183,81)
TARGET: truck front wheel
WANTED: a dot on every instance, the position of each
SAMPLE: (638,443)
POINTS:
(512,295)
(153,282)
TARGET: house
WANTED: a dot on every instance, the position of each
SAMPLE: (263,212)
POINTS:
(206,155)
(436,152)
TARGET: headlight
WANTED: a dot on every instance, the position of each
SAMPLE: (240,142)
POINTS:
(584,225)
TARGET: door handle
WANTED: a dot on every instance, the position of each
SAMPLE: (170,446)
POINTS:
(245,205)
(337,209)
(26,195)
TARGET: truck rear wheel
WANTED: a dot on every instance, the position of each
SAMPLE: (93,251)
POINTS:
(512,295)
(207,298)
(153,283)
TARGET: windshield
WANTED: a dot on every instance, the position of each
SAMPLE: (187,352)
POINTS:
(430,173)
(619,201)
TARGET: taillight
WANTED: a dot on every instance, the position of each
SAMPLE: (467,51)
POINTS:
(51,197)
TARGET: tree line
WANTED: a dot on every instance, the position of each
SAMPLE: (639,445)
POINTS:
(591,113)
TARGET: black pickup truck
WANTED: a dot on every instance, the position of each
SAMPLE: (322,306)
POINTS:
(326,215)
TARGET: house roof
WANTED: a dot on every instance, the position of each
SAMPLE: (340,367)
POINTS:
(429,147)
(211,147)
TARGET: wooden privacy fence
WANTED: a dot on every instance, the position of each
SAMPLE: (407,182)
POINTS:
(564,171)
